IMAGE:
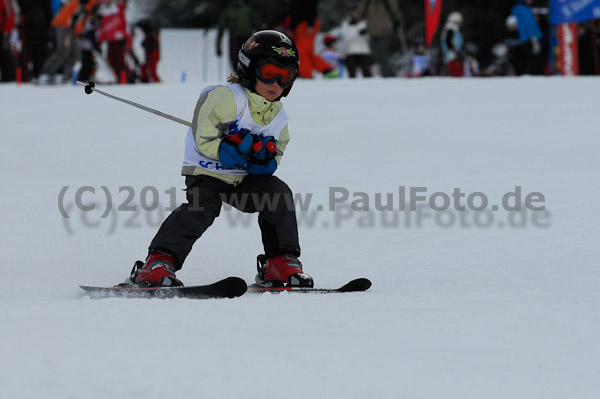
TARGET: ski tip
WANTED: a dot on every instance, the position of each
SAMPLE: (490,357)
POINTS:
(359,284)
(235,286)
(230,287)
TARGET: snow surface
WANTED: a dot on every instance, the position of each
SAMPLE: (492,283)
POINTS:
(509,310)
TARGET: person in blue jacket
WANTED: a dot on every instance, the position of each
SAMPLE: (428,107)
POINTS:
(530,35)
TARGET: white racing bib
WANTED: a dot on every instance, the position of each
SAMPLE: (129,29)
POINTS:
(193,157)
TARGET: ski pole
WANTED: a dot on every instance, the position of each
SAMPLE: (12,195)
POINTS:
(90,87)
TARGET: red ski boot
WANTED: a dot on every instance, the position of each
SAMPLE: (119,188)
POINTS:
(158,271)
(280,271)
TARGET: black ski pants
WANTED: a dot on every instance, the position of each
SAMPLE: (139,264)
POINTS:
(267,195)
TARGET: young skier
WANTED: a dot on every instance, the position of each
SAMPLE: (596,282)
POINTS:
(238,135)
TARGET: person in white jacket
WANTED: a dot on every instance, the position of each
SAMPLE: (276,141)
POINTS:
(452,45)
(357,50)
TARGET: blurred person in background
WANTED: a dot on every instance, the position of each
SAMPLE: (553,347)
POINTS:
(68,24)
(514,50)
(501,66)
(36,16)
(357,51)
(113,31)
(241,21)
(530,36)
(88,44)
(151,45)
(420,61)
(7,26)
(331,54)
(305,25)
(470,63)
(383,20)
(452,45)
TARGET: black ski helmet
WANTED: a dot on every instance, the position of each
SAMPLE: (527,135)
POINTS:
(265,45)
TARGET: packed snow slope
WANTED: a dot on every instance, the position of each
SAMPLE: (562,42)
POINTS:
(464,304)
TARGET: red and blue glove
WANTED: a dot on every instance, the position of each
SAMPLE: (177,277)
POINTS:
(232,156)
(262,169)
(265,150)
(262,162)
(241,149)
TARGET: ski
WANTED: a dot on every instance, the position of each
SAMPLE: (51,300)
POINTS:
(357,285)
(230,287)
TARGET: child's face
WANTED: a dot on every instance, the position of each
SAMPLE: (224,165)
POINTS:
(270,91)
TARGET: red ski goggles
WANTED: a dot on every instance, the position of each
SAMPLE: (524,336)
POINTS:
(269,72)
